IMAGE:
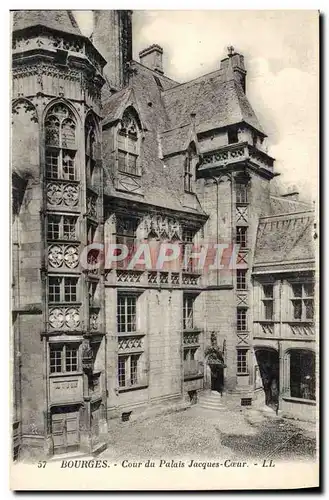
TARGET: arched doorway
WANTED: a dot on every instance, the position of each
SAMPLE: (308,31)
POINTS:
(268,364)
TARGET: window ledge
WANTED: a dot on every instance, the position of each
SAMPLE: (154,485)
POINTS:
(310,402)
(65,374)
(243,374)
(132,388)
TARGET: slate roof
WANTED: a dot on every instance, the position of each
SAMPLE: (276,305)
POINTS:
(217,99)
(145,93)
(283,205)
(285,238)
(60,20)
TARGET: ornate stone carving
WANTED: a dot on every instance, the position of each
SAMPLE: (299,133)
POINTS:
(191,338)
(129,276)
(56,255)
(268,328)
(304,329)
(242,214)
(190,279)
(72,318)
(129,343)
(161,227)
(64,318)
(59,193)
(93,321)
(92,206)
(63,254)
(56,318)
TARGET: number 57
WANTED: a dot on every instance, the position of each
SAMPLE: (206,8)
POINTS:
(42,465)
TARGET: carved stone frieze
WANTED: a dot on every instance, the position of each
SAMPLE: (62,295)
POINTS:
(160,227)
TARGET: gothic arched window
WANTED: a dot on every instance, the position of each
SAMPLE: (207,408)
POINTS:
(128,141)
(90,147)
(60,133)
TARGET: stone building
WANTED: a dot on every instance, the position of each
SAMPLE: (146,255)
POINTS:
(110,151)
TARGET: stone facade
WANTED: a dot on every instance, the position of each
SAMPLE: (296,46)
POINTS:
(111,151)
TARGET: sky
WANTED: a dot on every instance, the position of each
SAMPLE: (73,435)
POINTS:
(281,57)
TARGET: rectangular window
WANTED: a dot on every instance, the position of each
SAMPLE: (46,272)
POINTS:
(70,289)
(241,316)
(303,301)
(268,301)
(62,289)
(53,230)
(241,236)
(232,134)
(71,358)
(126,314)
(61,227)
(60,164)
(188,301)
(122,370)
(188,175)
(128,369)
(134,369)
(68,169)
(241,279)
(242,361)
(54,289)
(241,193)
(63,358)
(186,247)
(69,227)
(56,359)
(52,164)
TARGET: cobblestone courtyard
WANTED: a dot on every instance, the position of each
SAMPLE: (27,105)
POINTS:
(204,434)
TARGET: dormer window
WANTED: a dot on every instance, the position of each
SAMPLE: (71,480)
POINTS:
(128,144)
(232,134)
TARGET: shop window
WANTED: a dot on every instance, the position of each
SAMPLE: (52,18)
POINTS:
(302,374)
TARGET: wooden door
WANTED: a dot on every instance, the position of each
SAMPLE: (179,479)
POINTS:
(65,430)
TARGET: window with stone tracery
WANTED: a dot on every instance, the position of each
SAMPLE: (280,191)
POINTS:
(60,139)
(128,145)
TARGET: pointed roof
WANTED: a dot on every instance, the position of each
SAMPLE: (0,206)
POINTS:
(60,20)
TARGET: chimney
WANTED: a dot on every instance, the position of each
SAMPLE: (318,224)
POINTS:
(151,57)
(233,65)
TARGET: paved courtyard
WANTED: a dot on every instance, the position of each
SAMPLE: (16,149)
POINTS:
(205,434)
